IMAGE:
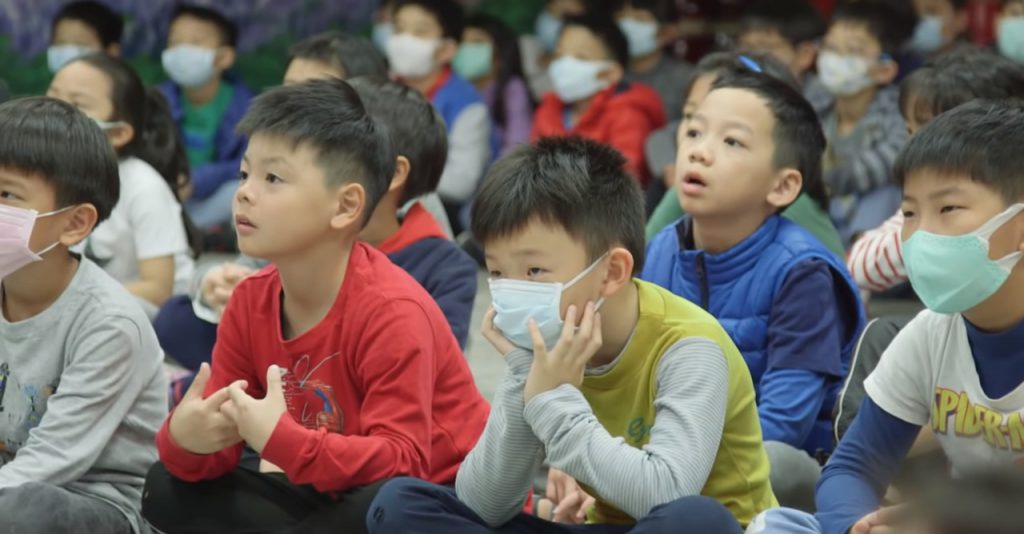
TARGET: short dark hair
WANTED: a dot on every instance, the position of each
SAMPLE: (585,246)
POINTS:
(328,116)
(228,30)
(797,21)
(448,14)
(980,139)
(415,127)
(957,77)
(108,24)
(797,135)
(578,184)
(53,140)
(606,30)
(663,10)
(883,20)
(354,55)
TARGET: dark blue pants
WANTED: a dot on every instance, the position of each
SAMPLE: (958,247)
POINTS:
(185,337)
(408,505)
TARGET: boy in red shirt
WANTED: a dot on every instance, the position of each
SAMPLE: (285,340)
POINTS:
(334,365)
(591,98)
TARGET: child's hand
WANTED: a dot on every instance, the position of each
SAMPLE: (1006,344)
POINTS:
(219,283)
(257,419)
(882,521)
(565,363)
(571,502)
(197,425)
(492,334)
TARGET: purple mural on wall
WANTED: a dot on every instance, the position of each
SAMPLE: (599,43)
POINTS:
(26,23)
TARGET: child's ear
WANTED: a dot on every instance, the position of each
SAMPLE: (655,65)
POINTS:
(446,52)
(402,169)
(121,135)
(225,58)
(788,184)
(613,74)
(351,204)
(806,55)
(113,50)
(885,71)
(80,222)
(620,271)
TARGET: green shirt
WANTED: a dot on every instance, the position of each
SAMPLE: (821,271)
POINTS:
(199,126)
(803,212)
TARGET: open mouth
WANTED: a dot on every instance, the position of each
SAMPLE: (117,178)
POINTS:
(694,179)
(242,221)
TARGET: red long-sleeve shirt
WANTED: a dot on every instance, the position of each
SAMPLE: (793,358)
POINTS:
(377,389)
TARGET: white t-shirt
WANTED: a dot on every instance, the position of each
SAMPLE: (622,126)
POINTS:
(144,224)
(927,376)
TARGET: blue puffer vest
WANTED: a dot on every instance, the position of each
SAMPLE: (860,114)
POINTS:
(739,286)
(452,98)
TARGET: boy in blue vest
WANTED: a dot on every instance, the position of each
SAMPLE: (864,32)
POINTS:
(748,151)
(958,367)
(424,43)
(207,106)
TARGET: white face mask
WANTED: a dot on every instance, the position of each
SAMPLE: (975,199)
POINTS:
(59,55)
(411,56)
(575,79)
(641,36)
(844,75)
(15,232)
(189,65)
(517,301)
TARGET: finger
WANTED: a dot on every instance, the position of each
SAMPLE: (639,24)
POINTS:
(195,391)
(274,387)
(540,349)
(588,503)
(582,338)
(222,395)
(569,326)
(566,509)
(230,413)
(552,491)
(545,509)
(890,515)
(861,527)
(596,340)
(221,294)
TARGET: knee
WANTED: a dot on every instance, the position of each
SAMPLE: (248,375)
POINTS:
(24,508)
(397,502)
(157,503)
(696,514)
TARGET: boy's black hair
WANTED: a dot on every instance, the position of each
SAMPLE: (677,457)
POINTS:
(883,20)
(606,30)
(53,140)
(156,140)
(354,55)
(663,10)
(797,135)
(415,127)
(980,139)
(108,24)
(228,29)
(509,61)
(575,183)
(449,15)
(797,21)
(956,77)
(328,116)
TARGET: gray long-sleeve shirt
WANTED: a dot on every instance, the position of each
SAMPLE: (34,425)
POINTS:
(690,407)
(82,394)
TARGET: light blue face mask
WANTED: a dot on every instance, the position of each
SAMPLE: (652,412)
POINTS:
(547,29)
(59,55)
(927,36)
(473,60)
(641,36)
(381,33)
(516,301)
(1011,38)
(953,274)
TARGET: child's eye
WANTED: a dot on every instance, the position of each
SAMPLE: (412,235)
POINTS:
(949,209)
(243,176)
(535,271)
(273,178)
(495,274)
(731,141)
(907,214)
(8,195)
(692,134)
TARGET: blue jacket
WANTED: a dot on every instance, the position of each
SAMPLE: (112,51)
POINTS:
(453,97)
(206,179)
(739,287)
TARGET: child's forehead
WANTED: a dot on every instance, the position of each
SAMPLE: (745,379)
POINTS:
(579,40)
(268,148)
(851,30)
(738,106)
(415,14)
(23,183)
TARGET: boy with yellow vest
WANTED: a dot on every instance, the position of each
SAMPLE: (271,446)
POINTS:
(637,397)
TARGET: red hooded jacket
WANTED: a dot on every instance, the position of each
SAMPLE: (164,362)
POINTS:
(621,116)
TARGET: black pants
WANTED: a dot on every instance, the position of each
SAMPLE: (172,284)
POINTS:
(246,501)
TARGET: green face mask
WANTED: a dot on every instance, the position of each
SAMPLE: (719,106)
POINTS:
(953,274)
(473,61)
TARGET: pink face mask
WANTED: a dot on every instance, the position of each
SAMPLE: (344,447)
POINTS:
(15,230)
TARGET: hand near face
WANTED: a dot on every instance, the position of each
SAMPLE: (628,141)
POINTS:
(565,363)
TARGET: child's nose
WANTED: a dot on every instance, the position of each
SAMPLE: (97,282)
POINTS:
(699,154)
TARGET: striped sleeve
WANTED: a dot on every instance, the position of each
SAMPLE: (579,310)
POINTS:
(876,260)
(690,405)
(495,478)
(871,166)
